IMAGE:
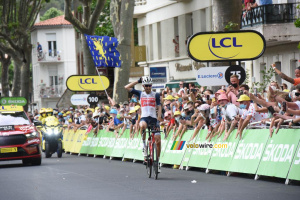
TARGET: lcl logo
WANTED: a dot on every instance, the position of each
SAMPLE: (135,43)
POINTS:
(87,81)
(214,44)
(222,42)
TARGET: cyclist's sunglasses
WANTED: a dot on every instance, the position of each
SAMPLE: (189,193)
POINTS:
(148,85)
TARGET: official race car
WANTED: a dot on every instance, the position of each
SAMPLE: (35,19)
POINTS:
(19,138)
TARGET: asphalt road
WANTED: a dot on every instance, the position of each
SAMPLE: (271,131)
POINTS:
(87,178)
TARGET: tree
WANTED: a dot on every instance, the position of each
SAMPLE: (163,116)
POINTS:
(51,13)
(121,14)
(104,26)
(5,62)
(87,26)
(59,4)
(226,11)
(18,17)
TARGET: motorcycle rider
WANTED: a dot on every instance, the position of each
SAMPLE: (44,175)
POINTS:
(42,114)
(50,117)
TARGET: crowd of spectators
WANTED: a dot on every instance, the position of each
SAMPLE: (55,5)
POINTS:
(195,108)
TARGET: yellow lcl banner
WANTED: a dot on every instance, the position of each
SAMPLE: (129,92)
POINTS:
(220,46)
(87,83)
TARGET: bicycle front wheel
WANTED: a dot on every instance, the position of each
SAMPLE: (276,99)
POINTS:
(155,161)
(149,163)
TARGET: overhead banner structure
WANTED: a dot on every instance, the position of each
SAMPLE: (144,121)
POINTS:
(86,83)
(220,46)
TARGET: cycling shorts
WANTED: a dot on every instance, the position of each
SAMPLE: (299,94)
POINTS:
(151,120)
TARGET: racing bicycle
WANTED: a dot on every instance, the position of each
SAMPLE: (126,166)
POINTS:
(151,150)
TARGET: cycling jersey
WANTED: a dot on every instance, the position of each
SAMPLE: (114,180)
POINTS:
(148,102)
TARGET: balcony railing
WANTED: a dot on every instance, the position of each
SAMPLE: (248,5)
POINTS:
(270,14)
(48,56)
(51,91)
(140,2)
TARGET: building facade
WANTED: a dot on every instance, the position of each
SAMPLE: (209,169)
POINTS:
(55,62)
(164,26)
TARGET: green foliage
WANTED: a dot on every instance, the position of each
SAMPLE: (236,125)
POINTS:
(231,26)
(51,13)
(104,26)
(267,77)
(59,4)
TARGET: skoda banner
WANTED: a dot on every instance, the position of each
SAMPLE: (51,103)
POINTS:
(87,83)
(17,101)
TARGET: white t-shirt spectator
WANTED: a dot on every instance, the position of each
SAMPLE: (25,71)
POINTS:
(82,118)
(256,116)
(230,112)
(180,91)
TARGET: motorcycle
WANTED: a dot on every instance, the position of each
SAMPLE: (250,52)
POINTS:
(52,134)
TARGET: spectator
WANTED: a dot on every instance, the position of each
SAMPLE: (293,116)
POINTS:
(250,115)
(294,81)
(284,88)
(181,91)
(233,90)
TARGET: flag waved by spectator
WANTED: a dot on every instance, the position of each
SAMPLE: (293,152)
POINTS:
(104,50)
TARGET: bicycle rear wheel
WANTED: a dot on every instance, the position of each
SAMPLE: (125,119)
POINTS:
(155,161)
(149,163)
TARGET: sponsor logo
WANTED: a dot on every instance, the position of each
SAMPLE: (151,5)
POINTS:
(34,140)
(26,128)
(220,46)
(212,45)
(219,75)
(279,153)
(87,83)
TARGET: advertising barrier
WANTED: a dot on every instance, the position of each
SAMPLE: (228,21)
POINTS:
(95,139)
(103,143)
(200,156)
(223,153)
(175,150)
(279,153)
(86,145)
(255,153)
(120,145)
(294,173)
(132,147)
(249,151)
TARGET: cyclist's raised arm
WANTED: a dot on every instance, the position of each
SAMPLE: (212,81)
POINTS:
(129,86)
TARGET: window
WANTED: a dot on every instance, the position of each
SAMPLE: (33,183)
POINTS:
(52,49)
(53,80)
(53,76)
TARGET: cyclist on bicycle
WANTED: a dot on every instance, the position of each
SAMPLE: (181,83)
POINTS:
(149,102)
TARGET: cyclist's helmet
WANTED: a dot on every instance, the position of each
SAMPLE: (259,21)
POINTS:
(49,111)
(146,80)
